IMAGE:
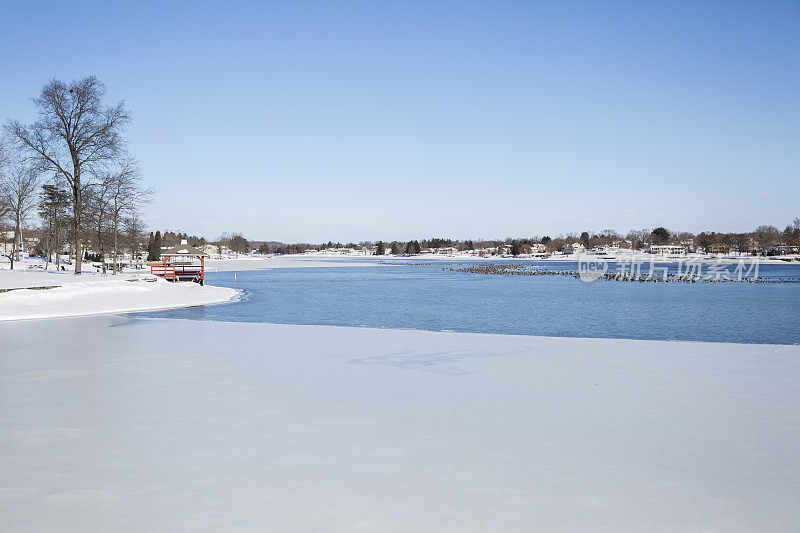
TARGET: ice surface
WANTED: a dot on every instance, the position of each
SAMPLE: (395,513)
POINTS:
(116,424)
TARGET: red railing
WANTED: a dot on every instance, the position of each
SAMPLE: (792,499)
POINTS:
(176,272)
(180,270)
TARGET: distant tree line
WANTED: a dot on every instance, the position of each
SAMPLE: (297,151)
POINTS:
(157,241)
(760,240)
(763,240)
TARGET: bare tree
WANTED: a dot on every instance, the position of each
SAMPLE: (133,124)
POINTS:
(125,197)
(223,241)
(96,211)
(134,233)
(4,207)
(766,236)
(18,186)
(75,132)
(638,238)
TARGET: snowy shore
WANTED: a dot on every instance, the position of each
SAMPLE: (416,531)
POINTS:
(57,294)
(36,294)
(637,257)
(322,257)
(113,423)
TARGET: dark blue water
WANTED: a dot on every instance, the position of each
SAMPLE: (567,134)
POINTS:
(430,298)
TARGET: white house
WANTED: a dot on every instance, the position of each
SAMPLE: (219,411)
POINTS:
(668,249)
(577,248)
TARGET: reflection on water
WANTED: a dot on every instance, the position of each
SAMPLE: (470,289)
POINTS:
(431,297)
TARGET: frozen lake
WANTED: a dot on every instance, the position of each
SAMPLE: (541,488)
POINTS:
(426,297)
(126,424)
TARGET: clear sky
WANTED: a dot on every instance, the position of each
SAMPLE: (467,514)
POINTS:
(315,121)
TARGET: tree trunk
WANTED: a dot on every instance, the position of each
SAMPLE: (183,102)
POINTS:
(49,245)
(115,246)
(100,242)
(76,211)
(13,250)
(55,244)
(17,236)
(56,229)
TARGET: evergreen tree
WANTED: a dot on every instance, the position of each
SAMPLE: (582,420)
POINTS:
(157,246)
(396,250)
(380,249)
(413,247)
(150,248)
(660,235)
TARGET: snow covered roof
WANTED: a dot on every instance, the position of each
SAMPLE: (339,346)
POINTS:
(184,249)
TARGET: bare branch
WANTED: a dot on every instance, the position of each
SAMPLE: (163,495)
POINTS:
(75,136)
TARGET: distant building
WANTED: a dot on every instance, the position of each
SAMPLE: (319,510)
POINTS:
(538,248)
(213,249)
(668,249)
(785,249)
(577,248)
(720,248)
(609,251)
(445,251)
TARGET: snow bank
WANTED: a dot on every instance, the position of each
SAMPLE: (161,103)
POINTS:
(121,424)
(91,294)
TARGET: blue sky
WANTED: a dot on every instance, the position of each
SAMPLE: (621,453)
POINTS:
(316,121)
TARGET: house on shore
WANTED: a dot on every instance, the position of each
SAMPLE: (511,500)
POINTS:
(538,248)
(577,248)
(668,249)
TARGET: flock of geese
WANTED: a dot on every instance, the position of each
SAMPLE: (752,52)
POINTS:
(646,277)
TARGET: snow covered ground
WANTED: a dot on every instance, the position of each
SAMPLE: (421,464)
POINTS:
(112,423)
(91,294)
(630,257)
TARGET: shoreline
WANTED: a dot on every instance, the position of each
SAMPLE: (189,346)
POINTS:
(91,294)
(133,315)
(93,314)
(640,258)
